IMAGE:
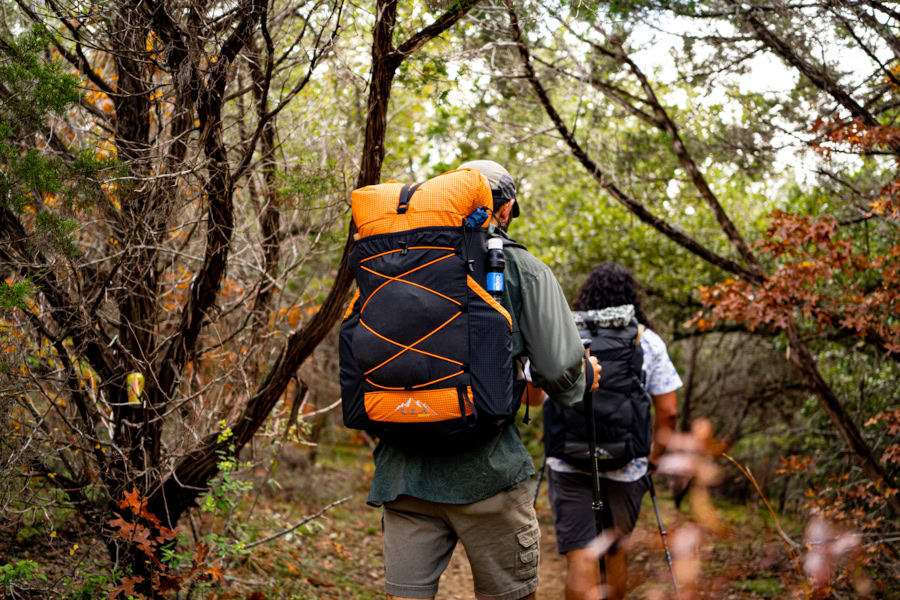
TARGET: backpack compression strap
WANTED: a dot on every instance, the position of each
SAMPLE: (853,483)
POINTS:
(406,193)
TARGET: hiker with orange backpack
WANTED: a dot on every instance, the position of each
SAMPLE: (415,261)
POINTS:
(431,353)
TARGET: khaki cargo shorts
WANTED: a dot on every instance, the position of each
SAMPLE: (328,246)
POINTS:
(500,535)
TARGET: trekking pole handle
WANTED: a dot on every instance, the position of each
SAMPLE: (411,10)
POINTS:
(590,375)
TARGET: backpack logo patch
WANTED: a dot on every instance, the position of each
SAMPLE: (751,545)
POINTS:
(416,408)
(603,453)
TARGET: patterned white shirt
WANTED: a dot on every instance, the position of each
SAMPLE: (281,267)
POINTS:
(662,378)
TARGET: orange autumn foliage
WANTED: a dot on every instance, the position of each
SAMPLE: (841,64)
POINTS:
(821,273)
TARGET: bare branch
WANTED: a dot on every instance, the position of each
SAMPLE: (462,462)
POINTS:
(817,75)
(440,25)
(630,203)
(303,522)
(80,61)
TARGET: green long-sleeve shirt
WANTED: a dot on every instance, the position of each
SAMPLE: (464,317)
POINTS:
(543,331)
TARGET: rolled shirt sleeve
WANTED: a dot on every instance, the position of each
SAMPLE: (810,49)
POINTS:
(660,374)
(551,339)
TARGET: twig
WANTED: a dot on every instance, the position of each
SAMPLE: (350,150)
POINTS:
(300,524)
(320,411)
(231,579)
(369,441)
(302,395)
(789,544)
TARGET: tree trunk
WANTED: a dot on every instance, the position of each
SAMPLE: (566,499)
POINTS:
(179,492)
(803,360)
(684,416)
(384,65)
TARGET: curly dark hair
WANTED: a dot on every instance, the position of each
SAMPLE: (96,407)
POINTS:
(611,284)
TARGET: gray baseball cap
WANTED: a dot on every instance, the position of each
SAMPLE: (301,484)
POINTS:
(503,188)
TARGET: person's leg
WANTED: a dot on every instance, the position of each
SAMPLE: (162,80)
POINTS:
(418,544)
(573,519)
(624,499)
(583,575)
(501,536)
(616,573)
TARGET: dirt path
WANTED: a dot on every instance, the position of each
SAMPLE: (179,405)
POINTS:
(647,567)
(341,557)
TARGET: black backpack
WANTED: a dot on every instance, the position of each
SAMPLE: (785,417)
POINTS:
(621,404)
(425,352)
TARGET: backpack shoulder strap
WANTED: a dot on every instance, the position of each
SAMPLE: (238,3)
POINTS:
(508,243)
(640,332)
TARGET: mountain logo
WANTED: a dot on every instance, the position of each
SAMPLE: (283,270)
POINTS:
(417,408)
(603,453)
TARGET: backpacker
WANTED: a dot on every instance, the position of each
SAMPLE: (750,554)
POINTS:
(425,351)
(621,404)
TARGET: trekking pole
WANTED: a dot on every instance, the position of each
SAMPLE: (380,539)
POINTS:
(597,502)
(537,487)
(663,534)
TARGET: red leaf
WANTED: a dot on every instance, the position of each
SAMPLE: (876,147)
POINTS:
(124,528)
(165,534)
(133,501)
(127,586)
(168,583)
(216,573)
(149,516)
(201,551)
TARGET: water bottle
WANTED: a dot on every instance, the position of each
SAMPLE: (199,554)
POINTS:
(495,264)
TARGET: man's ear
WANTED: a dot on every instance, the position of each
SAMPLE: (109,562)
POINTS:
(504,212)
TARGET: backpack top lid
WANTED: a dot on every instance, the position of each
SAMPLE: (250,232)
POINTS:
(443,201)
(612,317)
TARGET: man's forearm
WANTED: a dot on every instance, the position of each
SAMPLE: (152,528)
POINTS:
(552,341)
(570,395)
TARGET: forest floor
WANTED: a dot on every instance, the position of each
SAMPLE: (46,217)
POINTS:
(338,556)
(341,556)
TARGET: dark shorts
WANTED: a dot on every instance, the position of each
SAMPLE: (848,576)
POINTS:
(573,517)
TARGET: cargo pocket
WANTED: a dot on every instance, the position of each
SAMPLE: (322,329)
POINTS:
(527,551)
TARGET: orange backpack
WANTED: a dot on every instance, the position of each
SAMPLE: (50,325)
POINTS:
(425,351)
